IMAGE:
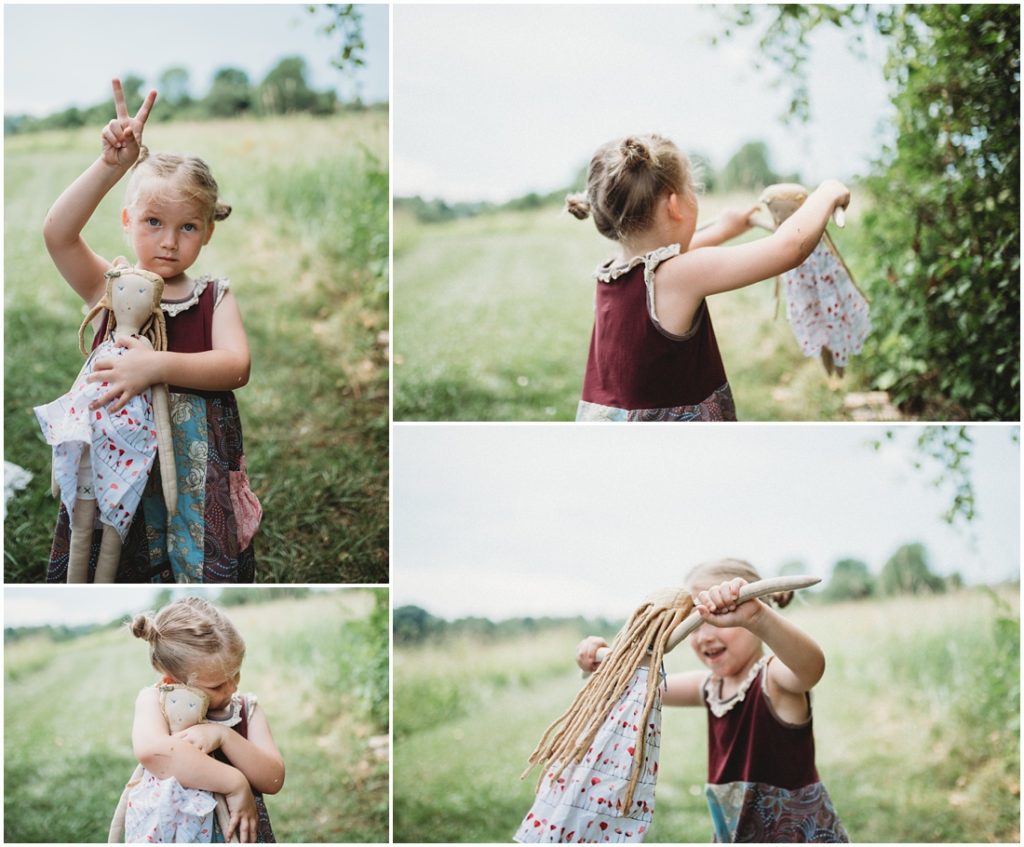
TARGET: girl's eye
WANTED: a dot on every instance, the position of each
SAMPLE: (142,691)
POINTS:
(189,227)
(153,221)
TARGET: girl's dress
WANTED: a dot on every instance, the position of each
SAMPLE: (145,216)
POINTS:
(638,371)
(763,785)
(585,803)
(210,537)
(121,447)
(163,811)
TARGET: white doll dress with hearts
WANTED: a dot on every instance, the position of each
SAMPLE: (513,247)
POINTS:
(584,804)
(824,306)
(122,446)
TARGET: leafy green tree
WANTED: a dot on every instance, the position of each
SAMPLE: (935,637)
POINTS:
(850,580)
(285,89)
(230,94)
(749,168)
(411,624)
(907,572)
(174,87)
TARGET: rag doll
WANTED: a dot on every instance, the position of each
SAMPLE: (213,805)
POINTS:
(599,759)
(102,461)
(827,312)
(183,707)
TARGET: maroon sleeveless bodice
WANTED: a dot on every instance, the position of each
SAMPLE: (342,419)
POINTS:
(634,364)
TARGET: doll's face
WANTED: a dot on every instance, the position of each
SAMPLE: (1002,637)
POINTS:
(132,300)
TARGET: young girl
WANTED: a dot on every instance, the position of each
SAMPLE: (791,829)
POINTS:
(191,642)
(653,353)
(762,781)
(171,207)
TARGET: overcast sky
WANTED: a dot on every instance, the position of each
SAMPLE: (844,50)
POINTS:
(509,520)
(504,99)
(57,56)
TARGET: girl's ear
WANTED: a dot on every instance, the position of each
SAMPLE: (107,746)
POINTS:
(675,210)
(125,218)
(209,233)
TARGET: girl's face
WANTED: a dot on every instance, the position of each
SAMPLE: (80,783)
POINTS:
(166,235)
(212,679)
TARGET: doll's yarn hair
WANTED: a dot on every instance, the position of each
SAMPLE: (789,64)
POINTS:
(626,179)
(177,178)
(720,570)
(186,634)
(642,640)
(155,328)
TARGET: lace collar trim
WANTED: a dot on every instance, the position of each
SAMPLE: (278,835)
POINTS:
(611,271)
(713,692)
(234,715)
(176,307)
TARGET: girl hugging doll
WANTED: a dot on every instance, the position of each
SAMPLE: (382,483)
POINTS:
(192,643)
(653,353)
(170,212)
(762,781)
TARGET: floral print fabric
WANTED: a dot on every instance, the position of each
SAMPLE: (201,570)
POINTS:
(824,307)
(752,812)
(584,804)
(121,447)
(161,811)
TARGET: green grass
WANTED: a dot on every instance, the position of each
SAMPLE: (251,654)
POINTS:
(916,726)
(306,249)
(68,716)
(493,317)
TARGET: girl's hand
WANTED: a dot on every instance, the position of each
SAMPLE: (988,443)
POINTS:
(718,605)
(244,819)
(837,190)
(205,737)
(586,652)
(126,375)
(736,221)
(122,137)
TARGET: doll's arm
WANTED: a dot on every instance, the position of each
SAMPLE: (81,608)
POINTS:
(165,447)
(164,755)
(257,757)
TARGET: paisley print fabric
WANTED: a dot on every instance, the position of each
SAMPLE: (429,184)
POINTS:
(718,407)
(754,812)
(584,804)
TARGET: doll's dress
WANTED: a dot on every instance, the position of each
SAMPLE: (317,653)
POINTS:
(824,306)
(121,446)
(162,810)
(210,539)
(584,804)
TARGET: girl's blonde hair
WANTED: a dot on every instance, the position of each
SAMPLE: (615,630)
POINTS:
(187,633)
(625,181)
(155,328)
(185,178)
(721,570)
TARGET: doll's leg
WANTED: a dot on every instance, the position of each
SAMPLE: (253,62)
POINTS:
(81,539)
(82,523)
(110,555)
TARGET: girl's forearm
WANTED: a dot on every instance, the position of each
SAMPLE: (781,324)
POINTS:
(170,756)
(806,225)
(264,770)
(71,211)
(212,370)
(791,646)
(712,235)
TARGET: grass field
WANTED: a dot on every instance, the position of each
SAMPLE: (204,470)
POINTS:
(493,317)
(916,726)
(306,248)
(318,666)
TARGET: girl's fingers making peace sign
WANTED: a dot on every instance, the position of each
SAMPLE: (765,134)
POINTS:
(122,137)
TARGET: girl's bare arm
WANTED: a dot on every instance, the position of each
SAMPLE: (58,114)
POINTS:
(684,689)
(164,756)
(257,757)
(731,223)
(224,368)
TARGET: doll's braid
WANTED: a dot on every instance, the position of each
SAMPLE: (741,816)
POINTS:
(641,641)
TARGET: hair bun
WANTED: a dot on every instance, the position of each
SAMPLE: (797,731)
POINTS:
(578,206)
(221,211)
(635,153)
(144,627)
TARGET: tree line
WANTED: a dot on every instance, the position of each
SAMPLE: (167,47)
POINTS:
(907,571)
(284,90)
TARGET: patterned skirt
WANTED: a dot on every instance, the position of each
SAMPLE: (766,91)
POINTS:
(718,407)
(756,813)
(210,537)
